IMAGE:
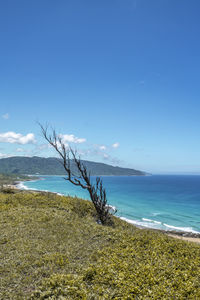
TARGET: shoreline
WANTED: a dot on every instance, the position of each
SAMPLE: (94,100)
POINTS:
(182,235)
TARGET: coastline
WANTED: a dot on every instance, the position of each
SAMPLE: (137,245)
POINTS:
(183,235)
(20,186)
(178,234)
(185,238)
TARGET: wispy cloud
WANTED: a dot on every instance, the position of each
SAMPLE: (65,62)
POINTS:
(132,4)
(102,147)
(3,155)
(41,147)
(6,116)
(17,138)
(19,150)
(141,82)
(37,149)
(115,145)
(93,153)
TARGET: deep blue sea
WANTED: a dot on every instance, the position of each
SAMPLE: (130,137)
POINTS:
(168,202)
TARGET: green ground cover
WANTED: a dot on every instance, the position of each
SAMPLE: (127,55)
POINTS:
(11,179)
(52,248)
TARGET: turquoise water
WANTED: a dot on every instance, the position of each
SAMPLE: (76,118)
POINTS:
(158,201)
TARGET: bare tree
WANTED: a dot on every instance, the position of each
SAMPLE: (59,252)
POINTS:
(81,177)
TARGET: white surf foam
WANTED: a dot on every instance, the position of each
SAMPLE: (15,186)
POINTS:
(185,229)
(153,221)
(144,223)
(112,209)
(21,186)
(148,223)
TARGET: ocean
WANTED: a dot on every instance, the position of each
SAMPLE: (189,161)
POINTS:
(167,202)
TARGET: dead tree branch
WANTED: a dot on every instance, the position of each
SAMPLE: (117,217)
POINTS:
(96,191)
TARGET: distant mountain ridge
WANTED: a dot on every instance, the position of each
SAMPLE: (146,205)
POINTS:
(52,166)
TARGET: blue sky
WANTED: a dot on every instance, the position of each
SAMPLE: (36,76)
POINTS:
(118,78)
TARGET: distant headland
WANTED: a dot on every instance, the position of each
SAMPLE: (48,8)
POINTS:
(52,166)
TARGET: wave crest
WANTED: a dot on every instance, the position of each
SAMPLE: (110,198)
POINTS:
(148,223)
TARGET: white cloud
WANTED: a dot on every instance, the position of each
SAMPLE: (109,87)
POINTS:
(115,145)
(95,153)
(19,150)
(17,138)
(43,146)
(37,149)
(70,138)
(102,147)
(6,116)
(2,155)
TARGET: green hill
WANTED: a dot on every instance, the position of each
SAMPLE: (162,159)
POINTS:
(52,248)
(52,166)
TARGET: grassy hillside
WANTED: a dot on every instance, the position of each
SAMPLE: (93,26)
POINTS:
(52,248)
(52,166)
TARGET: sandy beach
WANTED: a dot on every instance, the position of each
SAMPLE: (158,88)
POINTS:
(185,238)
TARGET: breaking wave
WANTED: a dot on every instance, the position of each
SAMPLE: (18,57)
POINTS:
(148,223)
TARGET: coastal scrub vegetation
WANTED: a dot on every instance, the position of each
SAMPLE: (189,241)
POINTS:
(81,176)
(51,248)
(11,179)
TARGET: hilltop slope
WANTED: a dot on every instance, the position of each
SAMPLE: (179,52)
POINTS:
(52,166)
(52,248)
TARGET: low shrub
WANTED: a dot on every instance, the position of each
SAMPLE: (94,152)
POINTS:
(52,248)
